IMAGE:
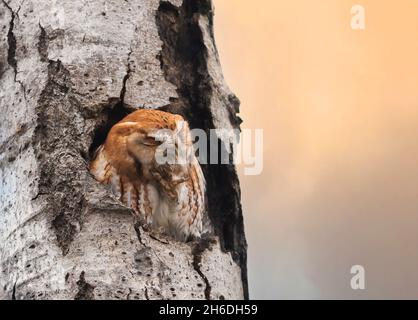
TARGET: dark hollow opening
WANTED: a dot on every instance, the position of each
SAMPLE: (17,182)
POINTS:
(112,114)
(183,60)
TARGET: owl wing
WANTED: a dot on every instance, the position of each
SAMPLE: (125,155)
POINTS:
(105,173)
(192,202)
(144,198)
(135,195)
(101,168)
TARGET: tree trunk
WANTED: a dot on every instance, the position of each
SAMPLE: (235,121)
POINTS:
(69,70)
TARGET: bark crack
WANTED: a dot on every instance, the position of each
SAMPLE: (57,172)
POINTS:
(14,291)
(137,228)
(85,290)
(11,40)
(42,44)
(197,252)
(12,45)
(129,294)
(159,240)
(126,77)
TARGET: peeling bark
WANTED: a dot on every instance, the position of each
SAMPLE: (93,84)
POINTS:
(68,72)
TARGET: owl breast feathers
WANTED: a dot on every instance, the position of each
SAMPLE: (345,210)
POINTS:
(168,195)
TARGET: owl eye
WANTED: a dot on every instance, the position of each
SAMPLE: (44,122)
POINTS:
(151,141)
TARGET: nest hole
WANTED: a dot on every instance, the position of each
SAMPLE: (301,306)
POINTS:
(112,114)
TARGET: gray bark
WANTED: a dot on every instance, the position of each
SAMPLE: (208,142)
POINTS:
(69,70)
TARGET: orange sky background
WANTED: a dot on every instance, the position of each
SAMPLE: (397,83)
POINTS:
(339,109)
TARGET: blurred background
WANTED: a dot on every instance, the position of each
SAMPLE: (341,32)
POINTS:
(339,109)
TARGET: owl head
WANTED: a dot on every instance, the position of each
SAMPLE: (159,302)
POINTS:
(158,142)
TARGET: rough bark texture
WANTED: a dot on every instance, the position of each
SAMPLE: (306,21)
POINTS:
(68,71)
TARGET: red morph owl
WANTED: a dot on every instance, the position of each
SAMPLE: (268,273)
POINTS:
(168,195)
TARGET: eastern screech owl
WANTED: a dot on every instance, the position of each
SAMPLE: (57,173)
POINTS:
(169,197)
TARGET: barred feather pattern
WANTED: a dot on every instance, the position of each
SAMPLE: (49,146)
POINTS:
(170,199)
